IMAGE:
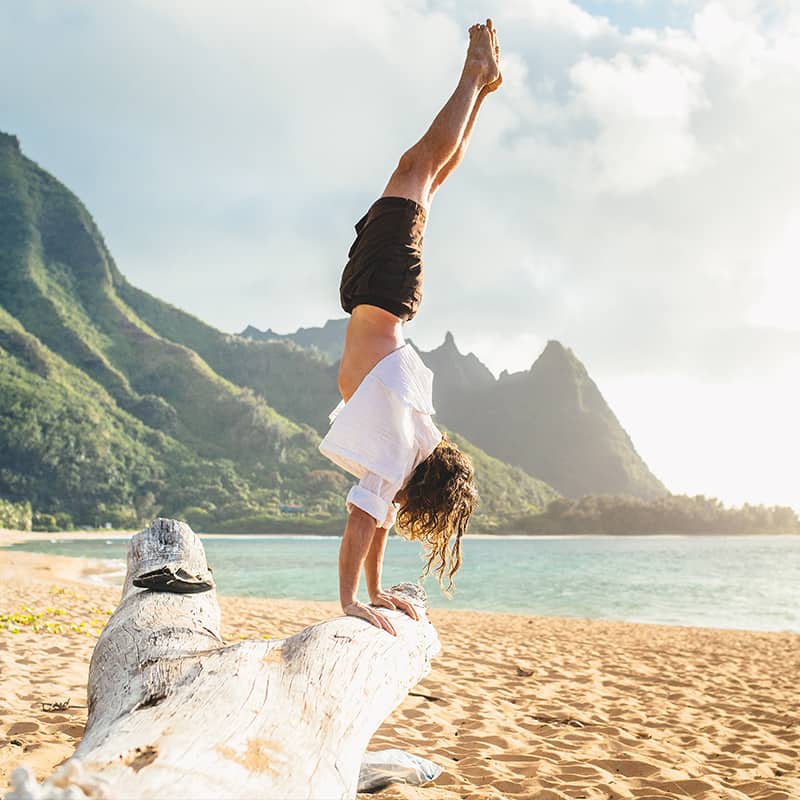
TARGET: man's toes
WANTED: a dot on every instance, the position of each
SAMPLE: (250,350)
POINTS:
(489,24)
(496,44)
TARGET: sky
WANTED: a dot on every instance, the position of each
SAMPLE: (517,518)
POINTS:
(632,190)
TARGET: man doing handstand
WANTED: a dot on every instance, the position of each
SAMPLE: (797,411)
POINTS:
(382,430)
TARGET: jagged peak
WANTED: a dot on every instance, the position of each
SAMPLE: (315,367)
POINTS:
(554,346)
(256,333)
(251,330)
(448,345)
(555,353)
(555,356)
(9,139)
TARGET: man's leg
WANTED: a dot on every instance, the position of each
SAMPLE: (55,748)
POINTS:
(373,333)
(442,147)
(458,156)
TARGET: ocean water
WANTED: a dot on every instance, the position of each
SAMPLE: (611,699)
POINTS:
(746,582)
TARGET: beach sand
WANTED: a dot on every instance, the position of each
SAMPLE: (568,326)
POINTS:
(515,706)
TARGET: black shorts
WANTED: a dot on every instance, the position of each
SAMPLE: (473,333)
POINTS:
(385,261)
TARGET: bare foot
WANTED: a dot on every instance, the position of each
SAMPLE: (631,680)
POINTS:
(494,85)
(481,54)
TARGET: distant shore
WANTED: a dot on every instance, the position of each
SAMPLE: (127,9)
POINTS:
(10,537)
(13,537)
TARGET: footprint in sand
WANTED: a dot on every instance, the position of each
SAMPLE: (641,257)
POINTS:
(75,731)
(629,768)
(576,772)
(508,788)
(22,727)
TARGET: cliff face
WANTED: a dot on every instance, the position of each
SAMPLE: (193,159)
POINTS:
(59,282)
(553,420)
(115,406)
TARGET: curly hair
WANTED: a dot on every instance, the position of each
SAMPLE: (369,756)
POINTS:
(435,504)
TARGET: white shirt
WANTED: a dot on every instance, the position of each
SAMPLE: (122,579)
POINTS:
(384,431)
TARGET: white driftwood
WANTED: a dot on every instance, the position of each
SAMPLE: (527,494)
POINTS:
(174,713)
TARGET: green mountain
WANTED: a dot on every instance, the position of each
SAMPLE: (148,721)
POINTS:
(551,421)
(297,382)
(115,406)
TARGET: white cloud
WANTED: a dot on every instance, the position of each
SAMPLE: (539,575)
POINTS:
(642,113)
(777,304)
(561,15)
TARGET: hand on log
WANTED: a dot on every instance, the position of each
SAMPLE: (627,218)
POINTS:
(382,599)
(389,600)
(372,616)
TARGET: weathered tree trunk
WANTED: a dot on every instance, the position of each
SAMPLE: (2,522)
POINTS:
(173,712)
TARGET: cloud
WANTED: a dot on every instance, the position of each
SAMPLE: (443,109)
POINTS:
(641,113)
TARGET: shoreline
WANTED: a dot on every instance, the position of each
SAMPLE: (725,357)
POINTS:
(516,707)
(9,537)
(107,573)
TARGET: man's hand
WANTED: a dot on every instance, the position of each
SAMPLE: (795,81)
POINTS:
(386,600)
(356,609)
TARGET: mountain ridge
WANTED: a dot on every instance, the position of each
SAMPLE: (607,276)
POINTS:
(131,407)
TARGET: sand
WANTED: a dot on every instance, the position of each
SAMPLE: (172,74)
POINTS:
(515,706)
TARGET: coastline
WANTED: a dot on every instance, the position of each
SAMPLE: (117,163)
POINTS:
(9,537)
(516,707)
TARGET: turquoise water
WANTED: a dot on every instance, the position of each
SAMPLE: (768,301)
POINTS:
(748,582)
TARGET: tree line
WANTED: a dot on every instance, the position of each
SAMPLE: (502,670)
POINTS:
(671,514)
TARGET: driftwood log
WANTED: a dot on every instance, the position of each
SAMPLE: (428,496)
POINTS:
(175,713)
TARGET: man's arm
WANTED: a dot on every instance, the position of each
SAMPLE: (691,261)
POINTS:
(373,567)
(359,534)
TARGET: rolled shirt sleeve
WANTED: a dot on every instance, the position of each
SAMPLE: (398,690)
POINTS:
(374,495)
